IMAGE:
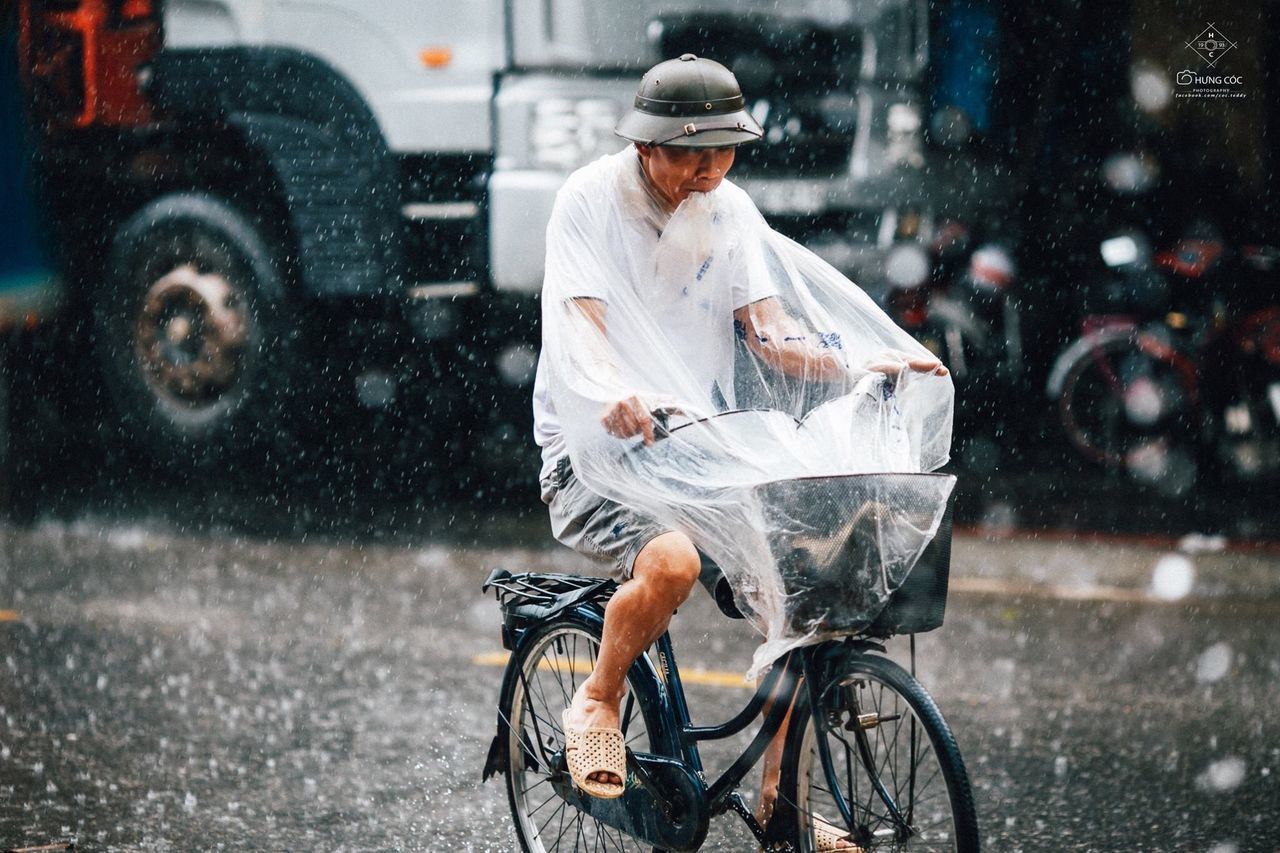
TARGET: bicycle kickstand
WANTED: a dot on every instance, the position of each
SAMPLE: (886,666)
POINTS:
(739,805)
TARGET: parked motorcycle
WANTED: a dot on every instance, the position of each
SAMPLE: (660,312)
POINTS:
(956,293)
(1176,373)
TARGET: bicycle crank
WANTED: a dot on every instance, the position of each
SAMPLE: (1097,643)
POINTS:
(663,804)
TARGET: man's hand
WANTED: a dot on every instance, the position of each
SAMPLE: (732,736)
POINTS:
(920,365)
(628,417)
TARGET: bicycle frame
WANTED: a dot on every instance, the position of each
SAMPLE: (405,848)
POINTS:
(667,801)
(670,791)
(681,796)
(778,688)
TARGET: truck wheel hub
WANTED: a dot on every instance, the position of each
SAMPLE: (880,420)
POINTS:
(191,335)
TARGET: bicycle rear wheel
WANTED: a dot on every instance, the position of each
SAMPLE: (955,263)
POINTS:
(554,662)
(877,756)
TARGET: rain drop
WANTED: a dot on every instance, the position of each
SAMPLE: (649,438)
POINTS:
(1173,577)
(1223,775)
(1214,663)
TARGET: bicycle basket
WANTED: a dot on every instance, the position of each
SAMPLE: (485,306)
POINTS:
(862,553)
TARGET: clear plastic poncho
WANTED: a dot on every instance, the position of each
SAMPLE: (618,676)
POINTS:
(778,378)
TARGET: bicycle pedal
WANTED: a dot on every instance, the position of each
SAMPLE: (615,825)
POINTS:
(869,721)
(862,721)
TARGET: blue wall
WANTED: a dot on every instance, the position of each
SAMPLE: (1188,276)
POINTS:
(24,261)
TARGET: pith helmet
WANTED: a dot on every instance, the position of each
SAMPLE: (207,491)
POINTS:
(689,103)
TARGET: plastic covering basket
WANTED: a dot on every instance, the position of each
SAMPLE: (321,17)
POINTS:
(862,553)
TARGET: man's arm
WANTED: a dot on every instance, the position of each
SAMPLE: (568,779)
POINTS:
(621,418)
(779,340)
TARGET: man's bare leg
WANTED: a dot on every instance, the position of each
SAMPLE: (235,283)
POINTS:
(664,574)
(772,770)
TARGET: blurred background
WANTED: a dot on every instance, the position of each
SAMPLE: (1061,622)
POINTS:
(269,276)
(252,247)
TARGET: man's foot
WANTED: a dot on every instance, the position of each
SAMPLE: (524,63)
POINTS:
(587,712)
(827,835)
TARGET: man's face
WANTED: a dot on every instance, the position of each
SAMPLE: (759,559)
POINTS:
(676,172)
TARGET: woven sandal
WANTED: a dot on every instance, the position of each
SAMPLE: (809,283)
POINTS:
(828,837)
(595,750)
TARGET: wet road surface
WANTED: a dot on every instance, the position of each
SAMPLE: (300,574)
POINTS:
(165,690)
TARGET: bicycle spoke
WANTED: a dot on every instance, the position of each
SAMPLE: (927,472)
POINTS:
(558,814)
(627,710)
(576,823)
(573,672)
(554,795)
(542,780)
(542,695)
(537,723)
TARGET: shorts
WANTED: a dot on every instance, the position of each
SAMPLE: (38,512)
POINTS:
(596,527)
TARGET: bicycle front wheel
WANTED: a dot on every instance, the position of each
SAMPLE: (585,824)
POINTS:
(877,758)
(553,663)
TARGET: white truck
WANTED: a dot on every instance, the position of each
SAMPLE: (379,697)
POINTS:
(269,206)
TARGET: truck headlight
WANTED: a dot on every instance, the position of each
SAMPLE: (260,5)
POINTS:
(570,132)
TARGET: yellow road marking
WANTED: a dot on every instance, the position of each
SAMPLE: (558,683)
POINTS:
(10,616)
(709,677)
(999,586)
(1097,593)
(500,659)
(716,678)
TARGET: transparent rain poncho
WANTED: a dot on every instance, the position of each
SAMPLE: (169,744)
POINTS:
(778,379)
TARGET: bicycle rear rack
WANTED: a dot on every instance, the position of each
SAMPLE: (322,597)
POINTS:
(531,597)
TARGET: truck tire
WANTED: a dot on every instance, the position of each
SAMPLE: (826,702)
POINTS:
(194,333)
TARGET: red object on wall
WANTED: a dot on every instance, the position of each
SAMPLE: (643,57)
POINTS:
(80,60)
(1190,258)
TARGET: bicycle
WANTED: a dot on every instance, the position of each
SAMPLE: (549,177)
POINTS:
(867,748)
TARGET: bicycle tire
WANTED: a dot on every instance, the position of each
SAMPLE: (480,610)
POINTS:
(573,644)
(931,792)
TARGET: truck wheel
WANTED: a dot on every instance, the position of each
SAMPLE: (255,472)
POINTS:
(194,333)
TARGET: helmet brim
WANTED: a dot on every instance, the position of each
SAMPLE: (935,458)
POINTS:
(729,130)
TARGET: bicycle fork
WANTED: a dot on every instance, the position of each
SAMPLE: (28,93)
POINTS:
(859,723)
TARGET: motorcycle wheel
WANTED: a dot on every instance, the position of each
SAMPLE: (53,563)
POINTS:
(1129,400)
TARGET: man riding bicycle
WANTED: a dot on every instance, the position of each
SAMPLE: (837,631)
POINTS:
(655,303)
